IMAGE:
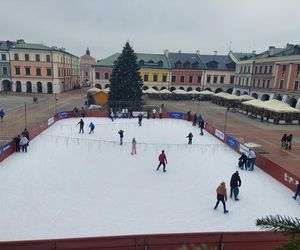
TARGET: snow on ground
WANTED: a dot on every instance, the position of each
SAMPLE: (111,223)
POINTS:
(73,185)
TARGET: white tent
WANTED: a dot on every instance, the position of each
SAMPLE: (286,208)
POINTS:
(165,91)
(150,91)
(246,97)
(206,92)
(193,92)
(179,91)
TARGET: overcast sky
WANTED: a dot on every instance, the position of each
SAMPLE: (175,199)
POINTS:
(152,25)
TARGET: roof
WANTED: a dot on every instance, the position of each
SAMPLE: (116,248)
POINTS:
(267,53)
(218,62)
(144,60)
(5,45)
(38,46)
(241,56)
(184,58)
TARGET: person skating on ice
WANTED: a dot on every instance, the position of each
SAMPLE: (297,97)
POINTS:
(243,161)
(121,133)
(140,117)
(162,161)
(92,127)
(235,183)
(133,146)
(221,196)
(81,124)
(297,191)
(190,136)
(201,125)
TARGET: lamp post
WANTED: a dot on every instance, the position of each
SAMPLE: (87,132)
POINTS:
(227,109)
(25,115)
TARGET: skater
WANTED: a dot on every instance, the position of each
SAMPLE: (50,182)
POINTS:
(126,113)
(199,119)
(140,117)
(82,112)
(92,127)
(243,161)
(289,142)
(111,115)
(17,143)
(148,114)
(26,134)
(153,113)
(194,119)
(162,161)
(188,114)
(251,159)
(201,127)
(221,196)
(24,143)
(133,146)
(75,112)
(190,136)
(284,141)
(2,114)
(297,191)
(81,124)
(160,113)
(34,98)
(235,183)
(121,133)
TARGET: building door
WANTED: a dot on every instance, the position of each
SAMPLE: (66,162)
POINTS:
(18,87)
(28,87)
(49,88)
(39,87)
(6,85)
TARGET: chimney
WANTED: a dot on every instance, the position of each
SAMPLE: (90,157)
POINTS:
(289,46)
(215,52)
(20,41)
(166,52)
(198,52)
(271,50)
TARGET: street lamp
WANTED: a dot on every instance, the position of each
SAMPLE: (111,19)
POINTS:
(227,109)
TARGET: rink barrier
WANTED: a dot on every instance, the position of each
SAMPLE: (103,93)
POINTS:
(214,241)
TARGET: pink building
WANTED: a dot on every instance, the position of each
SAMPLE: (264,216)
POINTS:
(86,71)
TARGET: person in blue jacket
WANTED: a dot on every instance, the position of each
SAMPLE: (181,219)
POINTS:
(92,127)
(297,191)
(2,114)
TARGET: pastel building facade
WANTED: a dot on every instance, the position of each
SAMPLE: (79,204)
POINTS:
(86,70)
(5,79)
(37,68)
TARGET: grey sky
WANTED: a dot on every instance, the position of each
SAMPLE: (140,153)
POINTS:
(152,25)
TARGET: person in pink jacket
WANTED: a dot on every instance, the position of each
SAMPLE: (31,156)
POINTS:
(133,146)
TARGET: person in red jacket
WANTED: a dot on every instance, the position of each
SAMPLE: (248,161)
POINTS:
(162,161)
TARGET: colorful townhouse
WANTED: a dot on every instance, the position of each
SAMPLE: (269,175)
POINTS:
(5,79)
(86,70)
(37,68)
(186,71)
(219,73)
(154,70)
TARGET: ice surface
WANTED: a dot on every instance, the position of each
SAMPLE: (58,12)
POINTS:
(73,185)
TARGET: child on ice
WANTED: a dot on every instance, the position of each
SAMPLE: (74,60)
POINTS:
(133,146)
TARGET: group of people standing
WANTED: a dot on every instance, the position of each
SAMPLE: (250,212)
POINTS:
(22,141)
(247,161)
(286,141)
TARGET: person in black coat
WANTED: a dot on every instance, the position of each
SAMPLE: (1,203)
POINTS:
(289,142)
(190,136)
(140,117)
(283,141)
(121,133)
(201,125)
(81,124)
(235,183)
(243,161)
(17,143)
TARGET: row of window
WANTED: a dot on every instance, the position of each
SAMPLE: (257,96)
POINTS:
(28,71)
(263,69)
(4,70)
(215,79)
(182,79)
(261,84)
(64,72)
(245,69)
(38,58)
(296,85)
(244,81)
(106,76)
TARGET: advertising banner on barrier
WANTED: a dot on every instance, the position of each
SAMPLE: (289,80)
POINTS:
(219,134)
(50,120)
(4,148)
(136,113)
(244,149)
(176,115)
(62,115)
(232,142)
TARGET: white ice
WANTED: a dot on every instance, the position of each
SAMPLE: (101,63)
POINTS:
(75,185)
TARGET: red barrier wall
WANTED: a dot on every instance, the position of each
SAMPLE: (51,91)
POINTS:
(219,240)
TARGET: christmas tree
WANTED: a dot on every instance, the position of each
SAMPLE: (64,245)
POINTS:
(126,82)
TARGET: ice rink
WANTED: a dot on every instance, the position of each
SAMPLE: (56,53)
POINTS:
(78,185)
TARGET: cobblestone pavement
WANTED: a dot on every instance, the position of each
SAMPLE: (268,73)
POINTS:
(237,125)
